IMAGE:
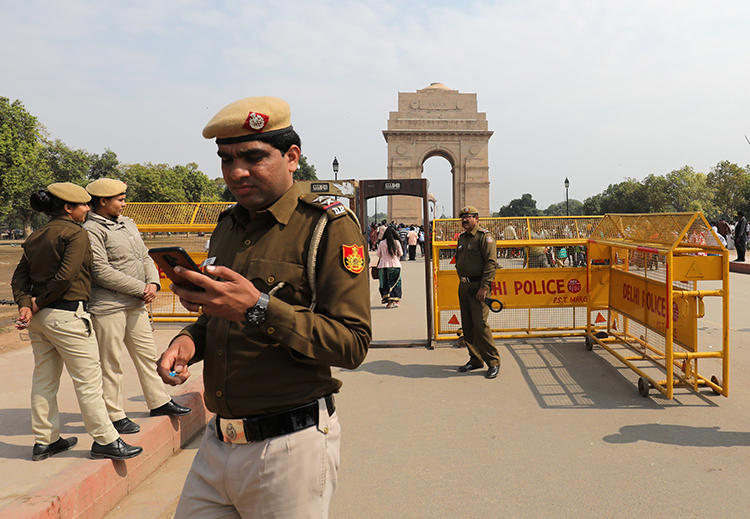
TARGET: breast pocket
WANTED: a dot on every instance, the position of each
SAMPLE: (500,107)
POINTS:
(283,280)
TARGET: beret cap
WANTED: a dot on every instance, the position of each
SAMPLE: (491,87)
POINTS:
(249,119)
(69,192)
(106,187)
(469,209)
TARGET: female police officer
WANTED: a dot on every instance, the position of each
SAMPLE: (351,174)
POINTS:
(51,286)
(125,279)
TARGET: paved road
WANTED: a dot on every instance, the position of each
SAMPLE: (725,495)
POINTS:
(561,433)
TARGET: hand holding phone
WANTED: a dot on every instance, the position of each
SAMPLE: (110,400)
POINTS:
(167,258)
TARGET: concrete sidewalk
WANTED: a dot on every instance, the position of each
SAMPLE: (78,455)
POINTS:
(561,433)
(71,484)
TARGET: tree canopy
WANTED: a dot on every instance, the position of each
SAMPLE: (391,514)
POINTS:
(720,193)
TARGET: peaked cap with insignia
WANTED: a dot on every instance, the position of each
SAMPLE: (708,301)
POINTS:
(249,119)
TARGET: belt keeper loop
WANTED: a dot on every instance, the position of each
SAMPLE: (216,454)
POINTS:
(219,435)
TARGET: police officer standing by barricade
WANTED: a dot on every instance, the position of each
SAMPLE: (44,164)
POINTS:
(287,298)
(52,286)
(476,262)
(125,279)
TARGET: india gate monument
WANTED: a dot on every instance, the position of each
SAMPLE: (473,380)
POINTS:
(438,121)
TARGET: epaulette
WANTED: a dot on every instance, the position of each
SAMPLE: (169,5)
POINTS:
(225,212)
(332,207)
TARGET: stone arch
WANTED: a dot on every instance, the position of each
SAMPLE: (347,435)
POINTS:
(438,121)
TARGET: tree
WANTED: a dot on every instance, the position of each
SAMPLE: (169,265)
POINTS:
(153,183)
(21,168)
(687,191)
(524,206)
(197,186)
(574,207)
(104,165)
(727,181)
(65,164)
(305,171)
(628,196)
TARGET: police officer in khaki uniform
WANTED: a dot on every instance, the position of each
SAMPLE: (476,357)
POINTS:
(476,261)
(51,286)
(286,298)
(125,279)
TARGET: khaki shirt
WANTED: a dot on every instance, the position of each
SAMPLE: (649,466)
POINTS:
(287,360)
(56,264)
(121,266)
(476,255)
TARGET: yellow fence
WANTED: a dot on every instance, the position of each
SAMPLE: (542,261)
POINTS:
(632,284)
(541,276)
(186,225)
(652,273)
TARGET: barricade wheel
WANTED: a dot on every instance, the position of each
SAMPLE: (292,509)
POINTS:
(589,343)
(643,386)
(715,380)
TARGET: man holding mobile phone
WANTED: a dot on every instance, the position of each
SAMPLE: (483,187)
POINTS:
(288,298)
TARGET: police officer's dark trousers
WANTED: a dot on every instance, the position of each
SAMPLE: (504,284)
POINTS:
(475,328)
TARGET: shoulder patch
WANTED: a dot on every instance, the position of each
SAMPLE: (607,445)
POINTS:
(353,257)
(330,205)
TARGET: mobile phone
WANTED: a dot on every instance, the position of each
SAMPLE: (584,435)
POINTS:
(167,258)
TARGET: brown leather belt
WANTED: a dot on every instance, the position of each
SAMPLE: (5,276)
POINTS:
(470,279)
(261,427)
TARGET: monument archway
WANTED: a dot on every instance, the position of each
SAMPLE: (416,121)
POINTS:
(439,121)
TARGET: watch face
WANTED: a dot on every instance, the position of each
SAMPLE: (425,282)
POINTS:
(255,316)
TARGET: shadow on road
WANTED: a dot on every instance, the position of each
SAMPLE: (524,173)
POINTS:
(683,435)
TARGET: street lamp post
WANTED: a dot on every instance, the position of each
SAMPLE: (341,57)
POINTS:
(335,171)
(567,206)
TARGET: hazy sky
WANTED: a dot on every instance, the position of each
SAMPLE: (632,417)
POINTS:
(592,91)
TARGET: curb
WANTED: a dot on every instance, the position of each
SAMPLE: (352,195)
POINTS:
(742,268)
(92,488)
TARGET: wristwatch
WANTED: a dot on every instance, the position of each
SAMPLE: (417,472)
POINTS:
(256,315)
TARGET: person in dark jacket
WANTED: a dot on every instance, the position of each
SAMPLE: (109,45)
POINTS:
(740,236)
(52,286)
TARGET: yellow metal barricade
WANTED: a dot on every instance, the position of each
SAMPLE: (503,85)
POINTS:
(187,225)
(540,279)
(653,272)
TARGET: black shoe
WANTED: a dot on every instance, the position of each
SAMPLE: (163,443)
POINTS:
(42,452)
(492,372)
(468,367)
(126,426)
(171,408)
(117,450)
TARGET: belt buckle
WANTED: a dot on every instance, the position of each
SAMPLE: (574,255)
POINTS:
(232,430)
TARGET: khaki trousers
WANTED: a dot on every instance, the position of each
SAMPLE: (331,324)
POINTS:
(62,337)
(129,327)
(286,477)
(474,325)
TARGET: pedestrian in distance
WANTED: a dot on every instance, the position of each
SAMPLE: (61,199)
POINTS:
(124,281)
(389,269)
(285,297)
(740,236)
(52,287)
(412,238)
(476,262)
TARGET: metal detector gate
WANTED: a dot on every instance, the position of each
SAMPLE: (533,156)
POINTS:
(409,187)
